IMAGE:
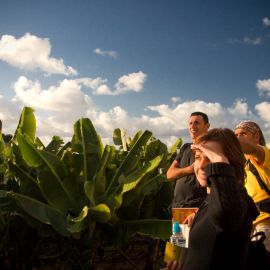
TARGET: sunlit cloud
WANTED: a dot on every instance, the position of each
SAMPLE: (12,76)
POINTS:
(30,52)
(59,106)
(263,87)
(246,40)
(112,54)
(175,99)
(252,41)
(266,21)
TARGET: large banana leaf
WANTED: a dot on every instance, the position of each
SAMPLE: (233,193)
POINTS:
(55,144)
(27,123)
(50,176)
(130,182)
(41,211)
(119,138)
(91,146)
(134,178)
(154,149)
(130,161)
(134,201)
(28,183)
(174,148)
(95,189)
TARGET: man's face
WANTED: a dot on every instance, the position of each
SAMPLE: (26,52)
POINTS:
(197,126)
(246,135)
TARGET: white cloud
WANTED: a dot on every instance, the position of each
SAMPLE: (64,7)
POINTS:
(266,21)
(175,99)
(240,108)
(263,111)
(252,41)
(263,86)
(58,107)
(132,82)
(112,54)
(30,52)
(64,99)
(246,40)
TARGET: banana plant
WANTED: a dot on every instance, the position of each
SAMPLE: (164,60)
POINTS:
(81,184)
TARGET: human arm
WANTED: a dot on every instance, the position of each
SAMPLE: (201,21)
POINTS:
(228,201)
(175,171)
(173,265)
(254,151)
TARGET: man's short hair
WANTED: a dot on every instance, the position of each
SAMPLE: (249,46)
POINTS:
(203,115)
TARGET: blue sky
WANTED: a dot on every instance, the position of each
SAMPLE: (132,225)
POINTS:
(134,64)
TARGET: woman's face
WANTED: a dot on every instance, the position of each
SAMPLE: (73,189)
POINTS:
(210,152)
(201,160)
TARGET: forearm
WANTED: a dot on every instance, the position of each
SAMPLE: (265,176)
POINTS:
(176,172)
(255,151)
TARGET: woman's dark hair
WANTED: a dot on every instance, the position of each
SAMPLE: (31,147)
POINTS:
(231,148)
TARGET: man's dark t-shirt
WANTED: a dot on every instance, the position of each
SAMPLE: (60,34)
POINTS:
(187,192)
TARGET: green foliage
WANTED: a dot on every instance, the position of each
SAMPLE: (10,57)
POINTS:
(83,187)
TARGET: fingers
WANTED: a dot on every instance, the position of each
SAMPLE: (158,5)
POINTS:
(189,219)
(173,265)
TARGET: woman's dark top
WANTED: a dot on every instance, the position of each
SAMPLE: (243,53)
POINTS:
(221,228)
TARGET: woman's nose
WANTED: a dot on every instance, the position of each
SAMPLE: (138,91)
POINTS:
(203,162)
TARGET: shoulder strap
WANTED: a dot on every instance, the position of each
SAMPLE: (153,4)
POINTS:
(253,169)
(183,148)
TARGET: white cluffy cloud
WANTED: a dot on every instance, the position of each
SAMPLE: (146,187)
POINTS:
(30,52)
(65,99)
(59,106)
(132,82)
(263,86)
(266,21)
(112,54)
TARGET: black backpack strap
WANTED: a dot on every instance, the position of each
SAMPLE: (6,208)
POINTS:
(258,177)
(182,150)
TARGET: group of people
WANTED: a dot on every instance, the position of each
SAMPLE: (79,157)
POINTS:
(225,174)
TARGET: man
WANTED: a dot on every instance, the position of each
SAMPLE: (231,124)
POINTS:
(257,173)
(188,193)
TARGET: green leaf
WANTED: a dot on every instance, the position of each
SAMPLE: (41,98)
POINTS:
(133,179)
(55,144)
(92,148)
(100,213)
(176,146)
(29,151)
(89,191)
(43,212)
(130,160)
(51,175)
(27,123)
(119,138)
(100,176)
